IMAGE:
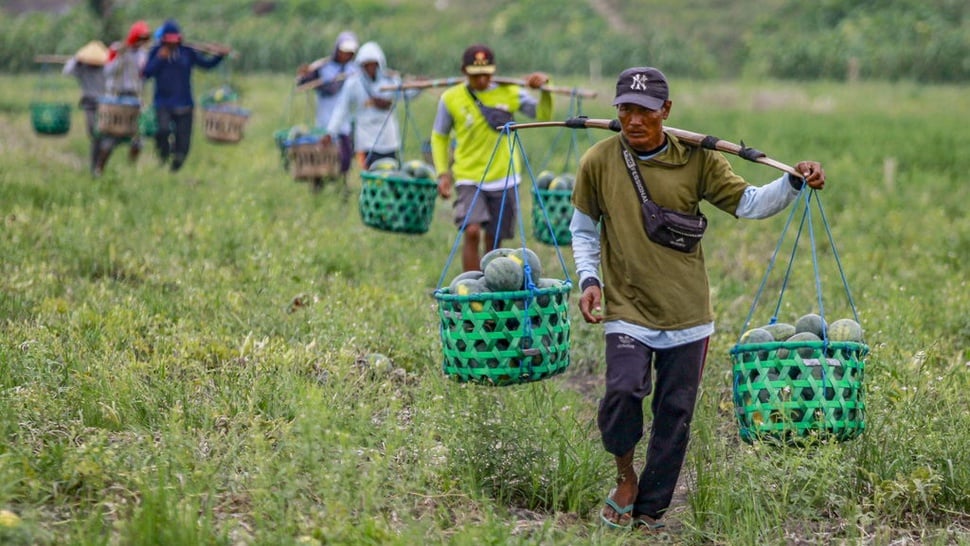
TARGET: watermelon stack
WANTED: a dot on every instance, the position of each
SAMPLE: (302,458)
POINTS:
(398,197)
(553,193)
(505,324)
(800,381)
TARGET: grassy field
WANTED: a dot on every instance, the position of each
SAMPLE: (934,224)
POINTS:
(187,358)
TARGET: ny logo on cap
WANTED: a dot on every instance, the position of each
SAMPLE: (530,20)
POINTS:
(639,82)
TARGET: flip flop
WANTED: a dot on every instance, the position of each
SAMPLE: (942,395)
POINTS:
(616,508)
(652,525)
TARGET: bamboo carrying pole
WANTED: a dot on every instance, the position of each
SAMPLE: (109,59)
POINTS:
(212,48)
(55,59)
(446,82)
(697,139)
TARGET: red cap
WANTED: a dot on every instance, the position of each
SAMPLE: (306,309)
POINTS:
(138,31)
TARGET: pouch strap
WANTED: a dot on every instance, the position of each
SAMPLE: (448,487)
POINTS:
(634,172)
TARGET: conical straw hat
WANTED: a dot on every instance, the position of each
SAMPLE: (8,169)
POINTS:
(93,52)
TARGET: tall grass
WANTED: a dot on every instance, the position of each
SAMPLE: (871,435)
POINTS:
(184,358)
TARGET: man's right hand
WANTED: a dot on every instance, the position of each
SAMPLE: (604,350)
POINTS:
(444,185)
(590,304)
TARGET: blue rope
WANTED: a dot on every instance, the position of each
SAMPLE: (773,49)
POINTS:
(764,278)
(838,262)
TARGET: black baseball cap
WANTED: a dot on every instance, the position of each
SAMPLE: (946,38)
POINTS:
(478,59)
(644,86)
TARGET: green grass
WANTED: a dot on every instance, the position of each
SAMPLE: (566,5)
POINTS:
(183,358)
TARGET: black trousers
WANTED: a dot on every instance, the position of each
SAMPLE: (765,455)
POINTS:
(628,382)
(177,122)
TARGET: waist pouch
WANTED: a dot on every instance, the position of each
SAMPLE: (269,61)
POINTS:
(495,117)
(670,228)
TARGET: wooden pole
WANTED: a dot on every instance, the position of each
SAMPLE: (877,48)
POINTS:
(697,139)
(54,59)
(447,82)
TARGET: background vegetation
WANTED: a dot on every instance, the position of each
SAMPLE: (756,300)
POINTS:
(189,359)
(920,40)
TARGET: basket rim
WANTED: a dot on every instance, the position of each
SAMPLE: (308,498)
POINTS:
(376,175)
(823,344)
(442,295)
(554,192)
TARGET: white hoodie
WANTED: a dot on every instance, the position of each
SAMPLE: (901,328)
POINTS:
(375,129)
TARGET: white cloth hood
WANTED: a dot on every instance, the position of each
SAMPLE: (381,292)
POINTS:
(370,52)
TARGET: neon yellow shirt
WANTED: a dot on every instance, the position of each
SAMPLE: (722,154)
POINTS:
(476,141)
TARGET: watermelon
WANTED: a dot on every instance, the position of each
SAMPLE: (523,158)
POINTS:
(469,287)
(756,335)
(780,331)
(845,329)
(504,274)
(474,274)
(804,352)
(543,179)
(811,323)
(563,182)
(492,254)
(527,256)
(417,168)
(385,164)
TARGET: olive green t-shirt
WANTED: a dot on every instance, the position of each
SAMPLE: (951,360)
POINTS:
(643,282)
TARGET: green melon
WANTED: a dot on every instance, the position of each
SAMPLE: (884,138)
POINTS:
(756,335)
(492,254)
(562,182)
(543,179)
(547,282)
(528,256)
(417,168)
(504,274)
(812,323)
(845,329)
(470,287)
(804,352)
(780,331)
(474,275)
(385,164)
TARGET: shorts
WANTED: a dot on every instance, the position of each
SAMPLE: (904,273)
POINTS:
(488,209)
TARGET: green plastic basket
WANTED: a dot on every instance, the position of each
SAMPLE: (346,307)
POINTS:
(559,208)
(396,203)
(798,392)
(147,122)
(50,118)
(505,338)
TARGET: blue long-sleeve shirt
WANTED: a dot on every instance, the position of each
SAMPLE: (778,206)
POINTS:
(756,202)
(173,76)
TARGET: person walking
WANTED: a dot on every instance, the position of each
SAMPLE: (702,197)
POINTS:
(331,73)
(653,300)
(87,67)
(472,110)
(376,132)
(170,64)
(123,81)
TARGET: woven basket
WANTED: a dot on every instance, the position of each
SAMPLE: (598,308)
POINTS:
(224,123)
(797,392)
(310,158)
(559,208)
(505,338)
(396,203)
(118,116)
(50,118)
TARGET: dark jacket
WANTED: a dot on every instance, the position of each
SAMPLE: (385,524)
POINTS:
(173,76)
